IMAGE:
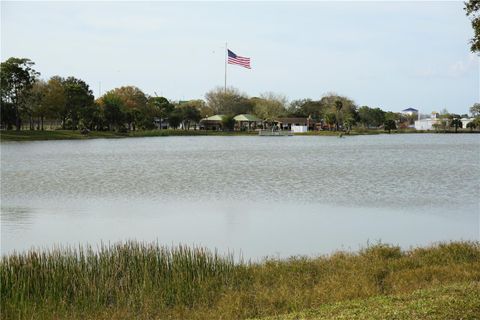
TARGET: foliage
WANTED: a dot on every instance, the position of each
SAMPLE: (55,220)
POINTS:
(341,106)
(55,98)
(134,103)
(175,118)
(201,106)
(371,117)
(269,106)
(475,110)
(389,125)
(471,125)
(156,108)
(456,123)
(78,96)
(34,104)
(189,114)
(17,77)
(228,123)
(441,125)
(472,8)
(147,281)
(112,106)
(229,101)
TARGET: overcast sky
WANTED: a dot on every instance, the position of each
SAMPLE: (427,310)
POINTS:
(391,55)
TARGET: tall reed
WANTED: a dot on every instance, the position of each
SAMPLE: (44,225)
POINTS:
(146,280)
(122,274)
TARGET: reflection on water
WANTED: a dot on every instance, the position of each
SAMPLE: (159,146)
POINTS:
(264,196)
(16,217)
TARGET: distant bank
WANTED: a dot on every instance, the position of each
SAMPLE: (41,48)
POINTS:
(34,135)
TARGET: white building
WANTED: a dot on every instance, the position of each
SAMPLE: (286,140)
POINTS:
(466,121)
(299,129)
(427,123)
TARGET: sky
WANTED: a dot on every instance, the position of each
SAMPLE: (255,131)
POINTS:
(386,54)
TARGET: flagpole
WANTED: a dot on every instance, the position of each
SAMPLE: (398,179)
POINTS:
(226,50)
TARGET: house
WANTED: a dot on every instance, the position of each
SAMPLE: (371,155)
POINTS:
(410,112)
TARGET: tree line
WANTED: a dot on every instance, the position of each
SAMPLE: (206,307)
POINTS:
(28,102)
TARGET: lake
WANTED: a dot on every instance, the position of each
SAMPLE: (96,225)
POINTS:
(255,196)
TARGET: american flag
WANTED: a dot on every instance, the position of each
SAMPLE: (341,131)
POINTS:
(241,61)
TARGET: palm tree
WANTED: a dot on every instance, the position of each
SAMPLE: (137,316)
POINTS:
(457,123)
(338,107)
(330,119)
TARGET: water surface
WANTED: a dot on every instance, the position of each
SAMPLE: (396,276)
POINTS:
(262,196)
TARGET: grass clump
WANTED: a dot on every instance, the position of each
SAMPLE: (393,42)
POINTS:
(147,281)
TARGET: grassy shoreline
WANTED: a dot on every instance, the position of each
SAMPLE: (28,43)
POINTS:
(36,135)
(147,281)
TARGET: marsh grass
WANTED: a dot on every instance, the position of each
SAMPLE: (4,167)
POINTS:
(144,280)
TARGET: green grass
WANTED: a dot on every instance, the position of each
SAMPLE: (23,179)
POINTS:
(33,135)
(147,281)
(453,301)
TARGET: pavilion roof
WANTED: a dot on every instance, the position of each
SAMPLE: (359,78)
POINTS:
(247,117)
(217,117)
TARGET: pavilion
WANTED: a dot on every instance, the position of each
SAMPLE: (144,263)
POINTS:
(246,121)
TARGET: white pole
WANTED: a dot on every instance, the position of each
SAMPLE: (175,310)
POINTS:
(226,50)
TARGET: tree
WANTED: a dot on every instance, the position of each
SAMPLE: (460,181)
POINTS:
(78,96)
(16,79)
(189,114)
(341,106)
(134,102)
(269,105)
(440,125)
(389,115)
(157,107)
(370,117)
(7,115)
(229,101)
(330,119)
(472,125)
(390,125)
(55,99)
(475,110)
(472,8)
(112,106)
(348,122)
(228,123)
(35,106)
(92,117)
(457,123)
(201,106)
(175,118)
